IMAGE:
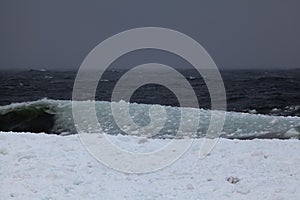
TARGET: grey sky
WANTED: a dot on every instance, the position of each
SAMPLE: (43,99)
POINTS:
(237,34)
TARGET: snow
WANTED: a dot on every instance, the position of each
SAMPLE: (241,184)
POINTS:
(40,166)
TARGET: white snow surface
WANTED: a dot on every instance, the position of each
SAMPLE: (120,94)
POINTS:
(40,166)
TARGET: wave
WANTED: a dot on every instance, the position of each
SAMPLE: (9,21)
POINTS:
(55,117)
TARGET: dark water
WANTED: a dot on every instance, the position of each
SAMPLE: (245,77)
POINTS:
(255,91)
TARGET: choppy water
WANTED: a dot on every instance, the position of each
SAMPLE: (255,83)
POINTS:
(261,104)
(253,91)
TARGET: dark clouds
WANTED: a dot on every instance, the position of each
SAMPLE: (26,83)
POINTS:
(237,34)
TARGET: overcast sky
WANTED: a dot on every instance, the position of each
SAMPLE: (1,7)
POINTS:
(237,34)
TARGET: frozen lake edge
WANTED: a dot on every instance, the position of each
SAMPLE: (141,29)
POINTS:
(41,166)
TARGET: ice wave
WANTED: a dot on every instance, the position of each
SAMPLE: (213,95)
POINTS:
(55,116)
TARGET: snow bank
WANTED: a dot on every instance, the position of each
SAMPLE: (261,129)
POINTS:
(54,167)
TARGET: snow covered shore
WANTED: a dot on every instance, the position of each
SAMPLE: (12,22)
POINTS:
(40,166)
